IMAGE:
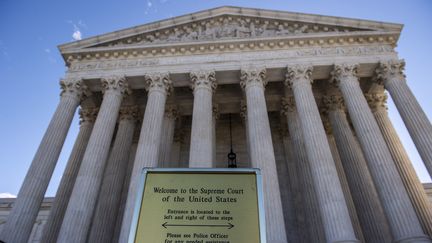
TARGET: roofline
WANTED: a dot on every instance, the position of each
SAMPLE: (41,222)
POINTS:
(203,14)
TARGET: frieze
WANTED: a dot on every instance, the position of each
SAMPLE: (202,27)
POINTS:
(357,50)
(134,62)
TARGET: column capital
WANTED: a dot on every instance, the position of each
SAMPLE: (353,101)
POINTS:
(159,82)
(333,102)
(287,105)
(300,73)
(203,79)
(344,72)
(389,71)
(377,101)
(115,83)
(243,109)
(128,113)
(172,112)
(75,88)
(253,76)
(87,115)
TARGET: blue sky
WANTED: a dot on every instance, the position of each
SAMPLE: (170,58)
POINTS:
(30,64)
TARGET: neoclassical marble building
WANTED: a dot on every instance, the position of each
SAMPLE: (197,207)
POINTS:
(305,96)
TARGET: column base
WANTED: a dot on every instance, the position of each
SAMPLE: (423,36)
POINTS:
(415,239)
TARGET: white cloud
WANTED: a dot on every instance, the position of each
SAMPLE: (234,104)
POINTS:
(7,195)
(149,4)
(77,35)
(47,50)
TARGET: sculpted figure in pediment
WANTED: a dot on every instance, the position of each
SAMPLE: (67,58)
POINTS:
(242,30)
(227,29)
(264,31)
(190,35)
(282,31)
(175,36)
(301,30)
(209,33)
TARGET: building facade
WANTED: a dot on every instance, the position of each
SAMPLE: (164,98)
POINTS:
(304,97)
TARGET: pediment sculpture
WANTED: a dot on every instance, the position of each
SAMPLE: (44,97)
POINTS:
(227,27)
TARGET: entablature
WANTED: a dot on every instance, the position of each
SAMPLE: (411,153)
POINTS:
(227,65)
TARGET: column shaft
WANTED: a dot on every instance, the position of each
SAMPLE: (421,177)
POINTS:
(403,221)
(147,153)
(403,164)
(262,153)
(215,118)
(310,202)
(371,214)
(77,219)
(345,188)
(415,119)
(290,193)
(125,189)
(64,191)
(334,211)
(167,138)
(20,221)
(176,147)
(243,115)
(201,145)
(107,207)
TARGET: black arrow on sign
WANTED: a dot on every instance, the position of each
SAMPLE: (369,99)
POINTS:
(229,225)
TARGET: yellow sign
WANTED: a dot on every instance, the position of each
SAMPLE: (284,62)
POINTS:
(198,206)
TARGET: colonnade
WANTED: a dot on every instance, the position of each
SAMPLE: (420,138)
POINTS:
(356,179)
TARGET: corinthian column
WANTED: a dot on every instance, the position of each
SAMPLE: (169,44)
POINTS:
(159,87)
(262,153)
(77,219)
(315,230)
(20,221)
(64,191)
(403,164)
(215,118)
(343,179)
(391,75)
(243,115)
(334,211)
(168,125)
(290,192)
(125,186)
(403,221)
(365,197)
(201,145)
(107,207)
(176,147)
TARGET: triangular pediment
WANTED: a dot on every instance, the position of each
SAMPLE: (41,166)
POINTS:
(229,23)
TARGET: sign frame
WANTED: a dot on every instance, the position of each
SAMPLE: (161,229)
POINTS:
(147,170)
